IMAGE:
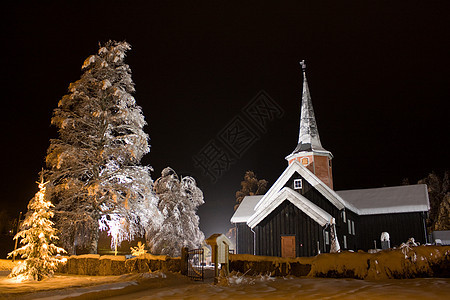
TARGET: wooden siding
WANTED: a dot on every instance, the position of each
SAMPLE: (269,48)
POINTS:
(400,226)
(310,193)
(287,219)
(244,239)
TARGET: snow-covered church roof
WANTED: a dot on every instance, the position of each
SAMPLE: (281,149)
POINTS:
(396,199)
(313,180)
(312,210)
(246,209)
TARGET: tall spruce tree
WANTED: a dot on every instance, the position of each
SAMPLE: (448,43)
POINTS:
(37,236)
(95,177)
(439,195)
(250,186)
(178,202)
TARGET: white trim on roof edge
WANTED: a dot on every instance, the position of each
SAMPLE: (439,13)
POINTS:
(313,211)
(312,179)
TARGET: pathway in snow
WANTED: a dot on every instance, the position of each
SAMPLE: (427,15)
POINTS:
(305,288)
(174,286)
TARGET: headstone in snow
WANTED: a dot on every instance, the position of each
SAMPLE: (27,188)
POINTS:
(385,242)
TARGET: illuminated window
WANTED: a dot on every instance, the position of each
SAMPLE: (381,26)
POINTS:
(353,227)
(344,219)
(345,242)
(305,161)
(327,238)
(297,184)
(350,226)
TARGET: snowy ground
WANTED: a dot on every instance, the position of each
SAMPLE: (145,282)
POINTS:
(175,286)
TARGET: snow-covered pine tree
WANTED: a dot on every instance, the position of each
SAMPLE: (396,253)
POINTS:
(37,236)
(96,180)
(178,202)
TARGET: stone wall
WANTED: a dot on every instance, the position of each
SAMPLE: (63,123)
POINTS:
(94,264)
(409,262)
(406,262)
(275,266)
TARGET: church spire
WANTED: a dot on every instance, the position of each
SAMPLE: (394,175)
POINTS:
(309,151)
(308,138)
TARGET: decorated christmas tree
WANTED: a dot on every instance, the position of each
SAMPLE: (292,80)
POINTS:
(37,236)
(95,178)
(178,202)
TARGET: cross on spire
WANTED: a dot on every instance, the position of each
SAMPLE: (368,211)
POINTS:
(303,64)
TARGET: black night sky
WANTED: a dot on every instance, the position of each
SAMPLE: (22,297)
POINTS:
(378,73)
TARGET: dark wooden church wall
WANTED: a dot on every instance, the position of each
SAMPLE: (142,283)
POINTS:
(244,239)
(400,226)
(309,192)
(287,219)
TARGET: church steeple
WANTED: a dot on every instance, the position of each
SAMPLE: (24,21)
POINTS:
(309,150)
(308,138)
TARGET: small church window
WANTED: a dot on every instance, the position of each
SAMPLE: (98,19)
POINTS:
(353,227)
(297,184)
(327,238)
(305,161)
(345,242)
(349,226)
(344,218)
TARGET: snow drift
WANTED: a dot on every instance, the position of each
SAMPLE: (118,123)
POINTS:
(406,262)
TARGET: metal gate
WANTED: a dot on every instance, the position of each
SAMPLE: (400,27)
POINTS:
(195,264)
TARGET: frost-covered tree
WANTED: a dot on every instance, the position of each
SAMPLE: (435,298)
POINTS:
(178,202)
(95,177)
(37,236)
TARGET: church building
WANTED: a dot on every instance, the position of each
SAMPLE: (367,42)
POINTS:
(301,214)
